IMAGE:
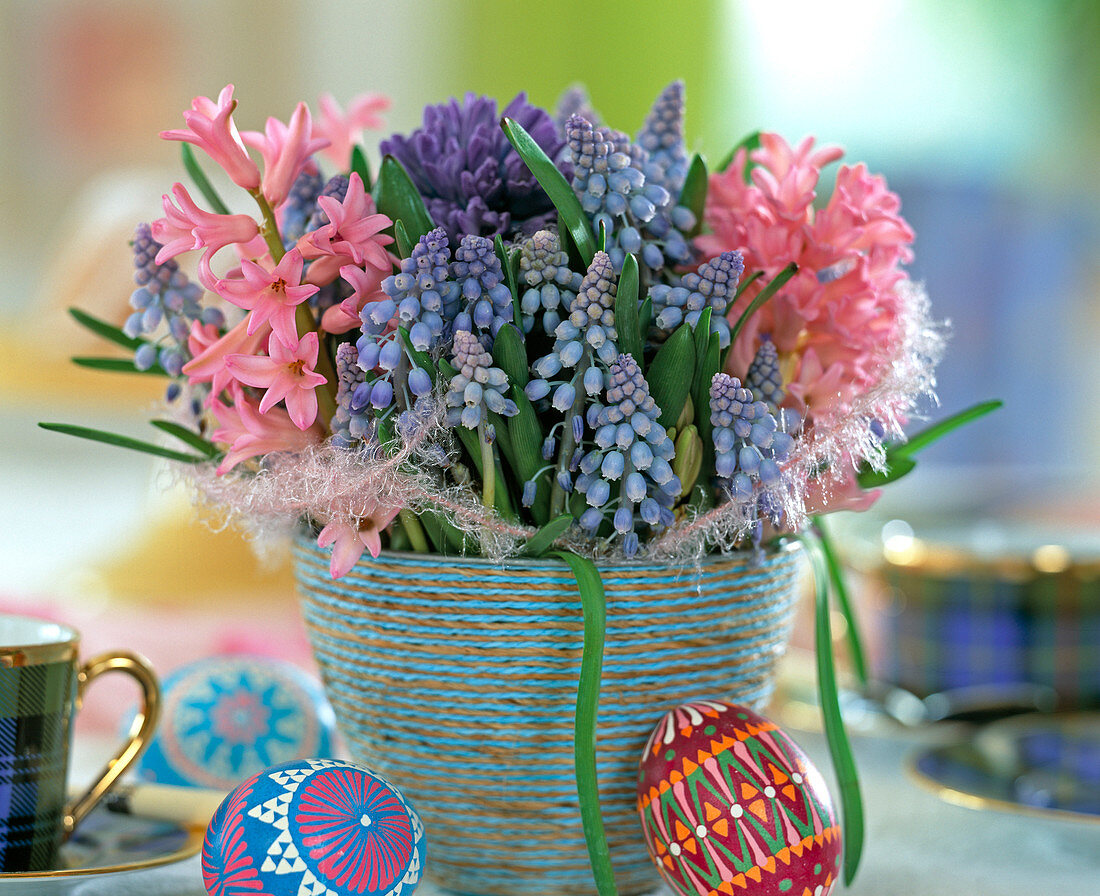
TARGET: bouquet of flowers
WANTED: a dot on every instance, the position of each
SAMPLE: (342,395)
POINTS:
(527,330)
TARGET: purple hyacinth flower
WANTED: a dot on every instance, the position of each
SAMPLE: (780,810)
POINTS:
(471,179)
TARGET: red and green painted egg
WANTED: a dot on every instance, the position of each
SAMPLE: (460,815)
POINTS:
(730,804)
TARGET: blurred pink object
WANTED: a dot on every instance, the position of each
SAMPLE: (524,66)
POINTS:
(344,129)
(169,637)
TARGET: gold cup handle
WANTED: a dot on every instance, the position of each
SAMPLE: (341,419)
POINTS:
(141,731)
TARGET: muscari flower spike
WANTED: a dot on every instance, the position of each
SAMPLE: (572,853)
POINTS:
(638,213)
(588,331)
(551,283)
(764,377)
(421,296)
(662,137)
(713,285)
(480,279)
(749,442)
(632,450)
(351,424)
(165,295)
(471,179)
(477,386)
(300,205)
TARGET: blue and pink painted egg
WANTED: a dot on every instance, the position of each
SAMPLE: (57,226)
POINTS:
(317,826)
(730,804)
(227,717)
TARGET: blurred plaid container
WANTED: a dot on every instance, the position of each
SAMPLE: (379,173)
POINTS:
(960,617)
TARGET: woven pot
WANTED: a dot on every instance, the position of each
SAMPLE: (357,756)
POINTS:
(456,679)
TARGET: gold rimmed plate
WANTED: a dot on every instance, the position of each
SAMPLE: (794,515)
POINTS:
(1045,764)
(107,843)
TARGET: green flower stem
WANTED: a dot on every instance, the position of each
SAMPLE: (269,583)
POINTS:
(414,530)
(488,469)
(303,316)
(568,443)
(840,750)
(840,589)
(594,605)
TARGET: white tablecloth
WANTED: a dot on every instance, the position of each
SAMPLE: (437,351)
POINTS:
(917,844)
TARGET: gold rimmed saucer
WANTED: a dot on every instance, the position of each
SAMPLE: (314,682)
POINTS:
(990,770)
(108,843)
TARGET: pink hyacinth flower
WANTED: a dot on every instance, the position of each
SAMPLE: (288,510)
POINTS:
(250,433)
(209,351)
(210,127)
(186,226)
(271,296)
(344,129)
(352,236)
(350,540)
(367,286)
(287,374)
(286,150)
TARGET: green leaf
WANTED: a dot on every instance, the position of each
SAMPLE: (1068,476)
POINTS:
(707,364)
(840,589)
(503,437)
(526,434)
(396,196)
(117,365)
(198,176)
(401,237)
(670,374)
(851,802)
(749,143)
(509,264)
(110,438)
(556,186)
(693,196)
(766,293)
(594,606)
(896,467)
(631,340)
(601,239)
(360,165)
(645,321)
(187,436)
(742,286)
(105,330)
(539,543)
(510,354)
(937,431)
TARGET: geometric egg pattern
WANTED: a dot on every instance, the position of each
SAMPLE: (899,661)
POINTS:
(313,828)
(730,804)
(225,718)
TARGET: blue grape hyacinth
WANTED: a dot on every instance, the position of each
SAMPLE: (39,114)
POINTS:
(633,453)
(165,297)
(713,285)
(477,386)
(588,333)
(480,278)
(423,298)
(548,284)
(749,441)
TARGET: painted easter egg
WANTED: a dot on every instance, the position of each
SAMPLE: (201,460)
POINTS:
(319,826)
(730,804)
(227,717)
